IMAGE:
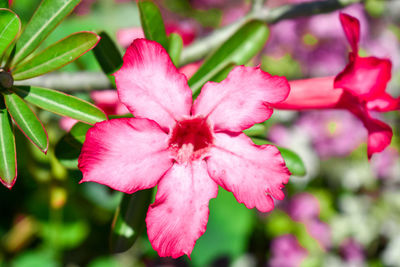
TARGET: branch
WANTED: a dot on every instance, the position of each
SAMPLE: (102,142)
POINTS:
(203,46)
(85,81)
(70,81)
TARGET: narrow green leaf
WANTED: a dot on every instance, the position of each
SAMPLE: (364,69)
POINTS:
(175,48)
(10,26)
(129,220)
(293,161)
(69,147)
(61,103)
(27,121)
(49,14)
(257,130)
(57,55)
(238,49)
(213,75)
(8,159)
(152,22)
(108,56)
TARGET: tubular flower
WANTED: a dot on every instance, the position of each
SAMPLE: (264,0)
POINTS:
(186,148)
(360,88)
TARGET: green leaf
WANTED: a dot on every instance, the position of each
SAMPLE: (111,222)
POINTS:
(10,26)
(175,48)
(49,14)
(228,229)
(27,121)
(238,49)
(108,56)
(211,17)
(129,220)
(152,22)
(259,130)
(69,147)
(3,3)
(8,160)
(56,55)
(217,74)
(61,103)
(292,160)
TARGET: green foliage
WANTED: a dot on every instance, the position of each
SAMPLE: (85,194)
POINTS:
(152,22)
(8,164)
(10,26)
(129,220)
(19,63)
(208,18)
(69,147)
(108,56)
(27,121)
(283,66)
(61,103)
(3,3)
(49,14)
(175,46)
(228,228)
(68,235)
(243,45)
(56,55)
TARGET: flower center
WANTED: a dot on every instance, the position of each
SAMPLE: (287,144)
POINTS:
(190,139)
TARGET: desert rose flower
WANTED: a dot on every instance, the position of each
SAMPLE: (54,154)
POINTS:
(360,88)
(187,149)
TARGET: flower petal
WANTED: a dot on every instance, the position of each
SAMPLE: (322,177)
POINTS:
(150,85)
(179,215)
(351,27)
(126,154)
(312,93)
(379,133)
(252,173)
(108,101)
(365,77)
(379,136)
(241,100)
(384,103)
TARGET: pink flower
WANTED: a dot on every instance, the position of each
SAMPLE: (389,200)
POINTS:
(286,252)
(360,88)
(187,149)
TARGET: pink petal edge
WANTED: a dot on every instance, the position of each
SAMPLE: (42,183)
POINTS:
(150,85)
(179,215)
(110,157)
(239,101)
(365,77)
(254,174)
(351,28)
